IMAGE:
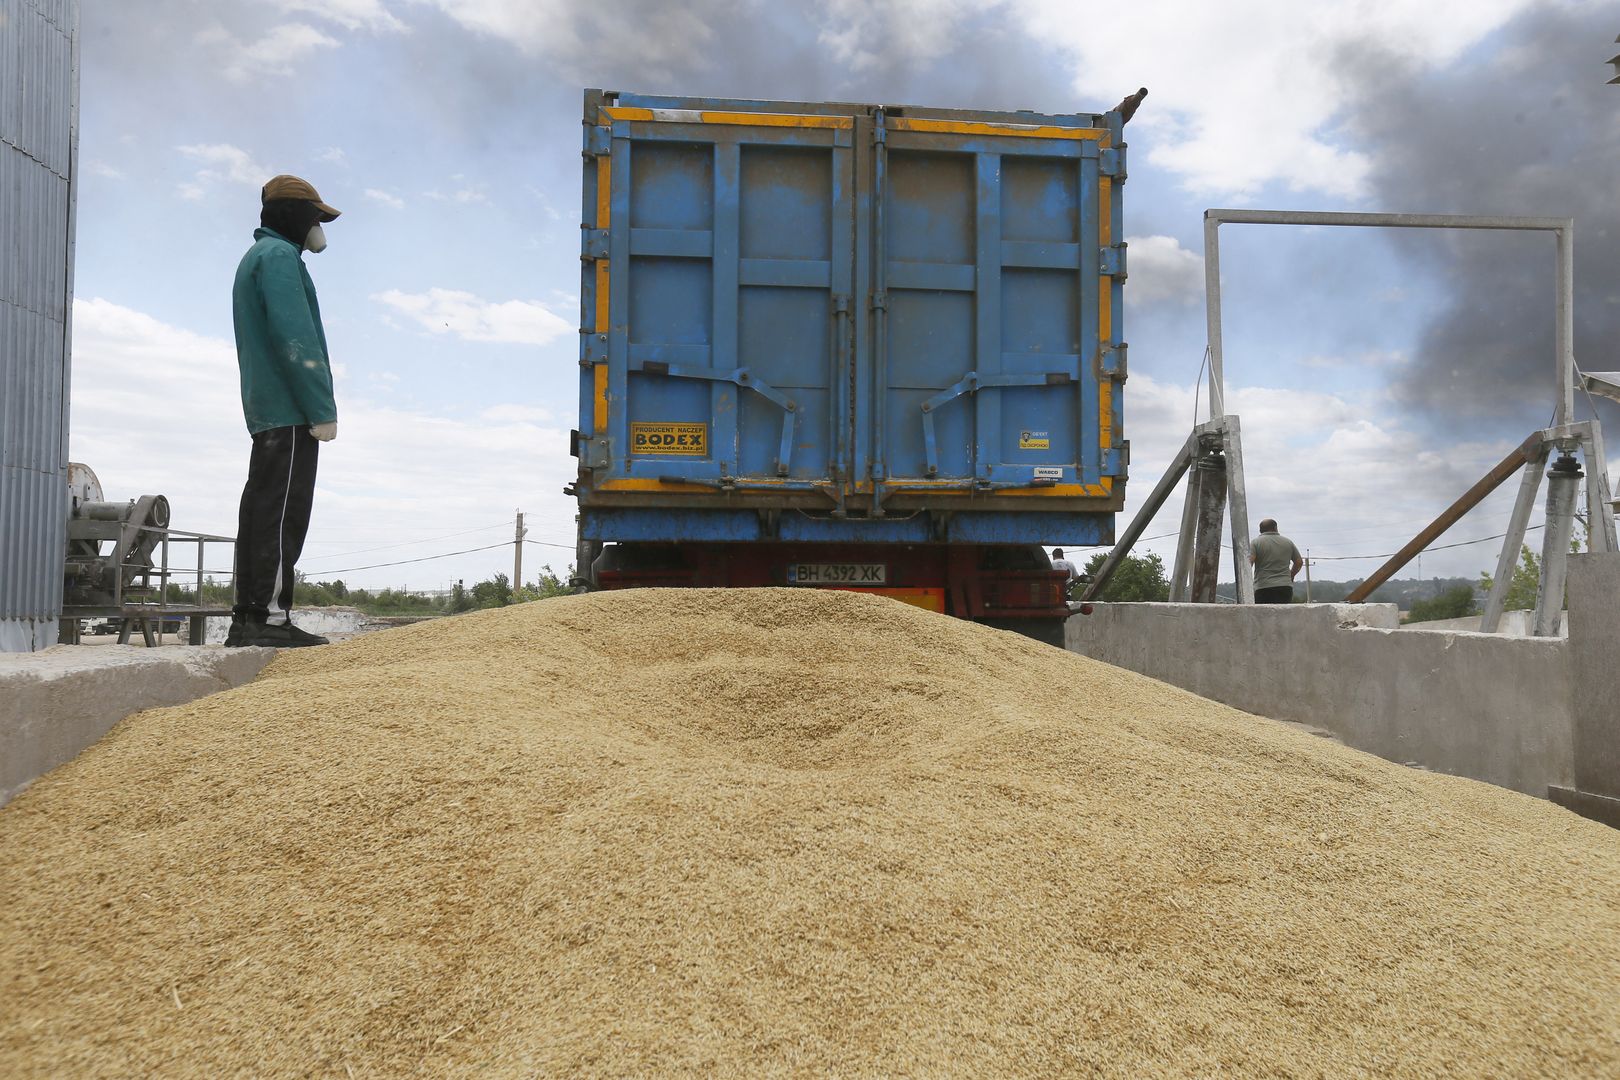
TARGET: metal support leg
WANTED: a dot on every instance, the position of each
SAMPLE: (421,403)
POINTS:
(1526,501)
(198,630)
(1599,500)
(1238,500)
(1211,517)
(1563,481)
(1181,574)
(1144,517)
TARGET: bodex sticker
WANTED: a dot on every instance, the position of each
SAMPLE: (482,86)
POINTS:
(689,440)
(1034,440)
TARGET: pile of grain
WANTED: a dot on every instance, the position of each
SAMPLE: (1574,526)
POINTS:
(750,833)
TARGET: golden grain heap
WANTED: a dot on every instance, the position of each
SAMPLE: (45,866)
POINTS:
(756,833)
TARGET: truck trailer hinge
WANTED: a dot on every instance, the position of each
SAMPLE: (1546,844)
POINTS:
(880,301)
(1114,361)
(1111,261)
(593,348)
(598,141)
(1116,460)
(1111,162)
(593,243)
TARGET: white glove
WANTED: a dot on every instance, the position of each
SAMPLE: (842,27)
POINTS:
(324,432)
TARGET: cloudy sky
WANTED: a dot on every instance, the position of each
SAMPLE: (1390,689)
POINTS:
(1376,375)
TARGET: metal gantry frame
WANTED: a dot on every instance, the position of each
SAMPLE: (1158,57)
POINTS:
(1213,453)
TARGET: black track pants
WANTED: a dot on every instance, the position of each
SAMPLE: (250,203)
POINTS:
(273,520)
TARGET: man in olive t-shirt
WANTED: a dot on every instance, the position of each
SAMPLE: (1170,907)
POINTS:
(1276,560)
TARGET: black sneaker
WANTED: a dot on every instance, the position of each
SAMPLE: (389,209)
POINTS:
(279,636)
(239,627)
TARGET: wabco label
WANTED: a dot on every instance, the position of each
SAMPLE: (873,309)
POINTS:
(837,574)
(691,440)
(1034,440)
(1048,472)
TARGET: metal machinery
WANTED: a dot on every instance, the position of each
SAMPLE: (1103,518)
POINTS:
(1214,457)
(118,563)
(850,346)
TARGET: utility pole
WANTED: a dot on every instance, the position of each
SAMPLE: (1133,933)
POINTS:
(517,553)
(1307,575)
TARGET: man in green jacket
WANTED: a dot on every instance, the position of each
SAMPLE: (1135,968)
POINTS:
(288,404)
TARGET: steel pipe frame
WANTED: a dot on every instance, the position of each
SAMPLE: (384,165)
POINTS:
(1227,425)
(1223,434)
(1564,374)
(1563,230)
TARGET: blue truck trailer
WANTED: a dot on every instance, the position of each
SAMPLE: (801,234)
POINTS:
(849,346)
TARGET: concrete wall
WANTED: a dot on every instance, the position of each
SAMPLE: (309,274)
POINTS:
(1513,624)
(1594,638)
(56,703)
(1493,708)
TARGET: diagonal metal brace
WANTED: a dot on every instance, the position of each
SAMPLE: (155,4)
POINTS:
(742,378)
(970,383)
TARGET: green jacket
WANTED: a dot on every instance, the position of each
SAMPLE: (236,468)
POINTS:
(280,345)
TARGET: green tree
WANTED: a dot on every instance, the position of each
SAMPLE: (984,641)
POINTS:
(496,592)
(1454,603)
(1136,579)
(548,584)
(1521,593)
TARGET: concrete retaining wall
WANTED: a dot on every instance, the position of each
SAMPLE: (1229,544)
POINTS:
(1493,708)
(56,703)
(1594,638)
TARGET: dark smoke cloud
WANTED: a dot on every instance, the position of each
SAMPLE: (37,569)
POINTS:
(1527,128)
(468,79)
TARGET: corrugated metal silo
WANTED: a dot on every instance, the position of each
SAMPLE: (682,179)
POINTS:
(39,106)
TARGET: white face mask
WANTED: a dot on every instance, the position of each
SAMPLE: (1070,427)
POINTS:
(316,240)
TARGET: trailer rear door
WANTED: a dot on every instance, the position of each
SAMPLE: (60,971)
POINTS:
(995,268)
(723,250)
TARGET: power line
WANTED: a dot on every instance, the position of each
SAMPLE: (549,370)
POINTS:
(425,558)
(410,543)
(1435,547)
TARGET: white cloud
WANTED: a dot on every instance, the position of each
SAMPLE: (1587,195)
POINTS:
(395,474)
(568,33)
(1367,358)
(393,202)
(1242,94)
(222,161)
(332,155)
(349,14)
(441,311)
(97,167)
(1246,93)
(276,53)
(864,35)
(1162,270)
(466,194)
(532,414)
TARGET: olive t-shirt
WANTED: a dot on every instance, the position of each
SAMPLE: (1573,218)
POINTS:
(1274,557)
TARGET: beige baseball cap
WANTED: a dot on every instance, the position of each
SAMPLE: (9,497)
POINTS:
(293,187)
